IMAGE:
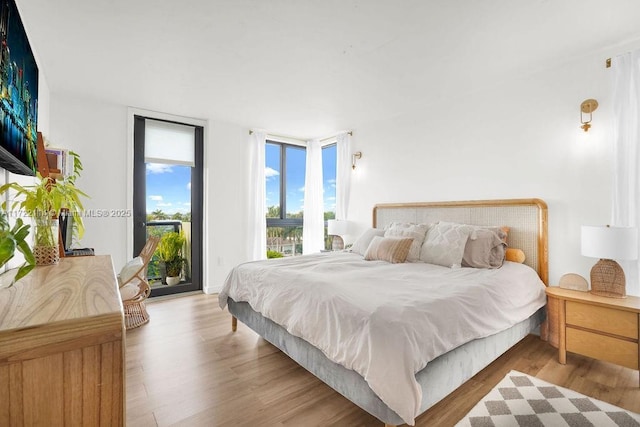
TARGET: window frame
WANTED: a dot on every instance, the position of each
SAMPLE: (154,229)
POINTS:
(283,221)
(195,282)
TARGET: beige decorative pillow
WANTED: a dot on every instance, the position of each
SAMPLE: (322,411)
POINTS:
(417,232)
(484,249)
(362,243)
(390,249)
(445,244)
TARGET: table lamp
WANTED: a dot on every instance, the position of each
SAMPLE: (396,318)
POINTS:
(609,243)
(337,228)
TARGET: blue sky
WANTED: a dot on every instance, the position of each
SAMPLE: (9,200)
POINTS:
(168,188)
(295,177)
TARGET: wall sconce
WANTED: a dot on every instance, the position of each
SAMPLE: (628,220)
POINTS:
(354,156)
(588,106)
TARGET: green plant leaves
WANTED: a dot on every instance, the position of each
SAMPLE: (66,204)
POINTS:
(47,197)
(12,239)
(170,246)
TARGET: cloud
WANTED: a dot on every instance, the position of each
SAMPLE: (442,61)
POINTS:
(331,181)
(186,203)
(270,172)
(189,186)
(158,168)
(155,198)
(164,205)
(329,198)
(301,189)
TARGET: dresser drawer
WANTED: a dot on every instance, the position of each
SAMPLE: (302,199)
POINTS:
(601,347)
(611,321)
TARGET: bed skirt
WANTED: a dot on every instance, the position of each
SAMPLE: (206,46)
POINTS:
(440,377)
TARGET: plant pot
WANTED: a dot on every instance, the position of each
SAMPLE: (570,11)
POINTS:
(45,245)
(171,281)
(46,255)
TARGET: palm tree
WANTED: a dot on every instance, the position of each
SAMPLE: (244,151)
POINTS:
(273,212)
(295,234)
(159,214)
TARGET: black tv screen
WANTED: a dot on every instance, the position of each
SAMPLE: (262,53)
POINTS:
(18,94)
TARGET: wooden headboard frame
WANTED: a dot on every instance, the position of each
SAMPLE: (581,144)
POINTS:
(526,218)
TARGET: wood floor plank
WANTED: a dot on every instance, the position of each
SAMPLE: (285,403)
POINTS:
(186,368)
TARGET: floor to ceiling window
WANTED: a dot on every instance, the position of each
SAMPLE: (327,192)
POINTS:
(167,200)
(285,167)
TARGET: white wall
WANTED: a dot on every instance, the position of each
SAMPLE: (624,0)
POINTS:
(227,200)
(517,138)
(99,133)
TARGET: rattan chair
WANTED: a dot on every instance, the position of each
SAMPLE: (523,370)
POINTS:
(135,290)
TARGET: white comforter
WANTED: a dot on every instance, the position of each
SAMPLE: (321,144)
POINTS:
(385,321)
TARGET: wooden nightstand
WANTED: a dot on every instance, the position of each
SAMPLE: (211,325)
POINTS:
(598,327)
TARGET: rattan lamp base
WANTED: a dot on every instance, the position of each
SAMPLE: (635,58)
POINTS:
(607,279)
(337,244)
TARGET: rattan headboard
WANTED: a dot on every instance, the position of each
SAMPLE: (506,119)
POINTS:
(526,218)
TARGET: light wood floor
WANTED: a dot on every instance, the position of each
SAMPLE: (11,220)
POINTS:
(186,367)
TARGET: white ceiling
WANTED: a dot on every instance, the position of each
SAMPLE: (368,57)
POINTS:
(307,68)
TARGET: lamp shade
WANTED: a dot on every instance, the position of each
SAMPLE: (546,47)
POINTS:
(337,227)
(609,242)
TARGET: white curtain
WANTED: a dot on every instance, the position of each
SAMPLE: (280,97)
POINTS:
(313,224)
(343,175)
(257,220)
(626,136)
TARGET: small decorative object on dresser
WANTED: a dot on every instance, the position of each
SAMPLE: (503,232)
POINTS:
(574,281)
(609,243)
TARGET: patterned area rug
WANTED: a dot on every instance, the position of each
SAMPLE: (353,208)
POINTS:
(522,400)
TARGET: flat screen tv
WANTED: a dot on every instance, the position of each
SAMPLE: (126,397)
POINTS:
(18,94)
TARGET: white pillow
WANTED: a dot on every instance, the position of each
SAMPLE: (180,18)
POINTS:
(130,290)
(445,244)
(417,232)
(130,269)
(362,243)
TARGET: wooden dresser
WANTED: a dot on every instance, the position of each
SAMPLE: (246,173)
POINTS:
(599,327)
(62,346)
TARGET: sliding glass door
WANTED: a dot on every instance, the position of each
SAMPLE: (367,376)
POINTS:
(167,201)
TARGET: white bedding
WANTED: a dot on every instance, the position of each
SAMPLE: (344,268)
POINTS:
(385,321)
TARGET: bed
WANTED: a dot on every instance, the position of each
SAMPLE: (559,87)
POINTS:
(435,368)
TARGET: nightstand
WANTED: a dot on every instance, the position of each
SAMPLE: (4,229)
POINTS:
(598,327)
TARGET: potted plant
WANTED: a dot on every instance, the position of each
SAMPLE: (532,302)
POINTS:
(12,238)
(43,201)
(170,253)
